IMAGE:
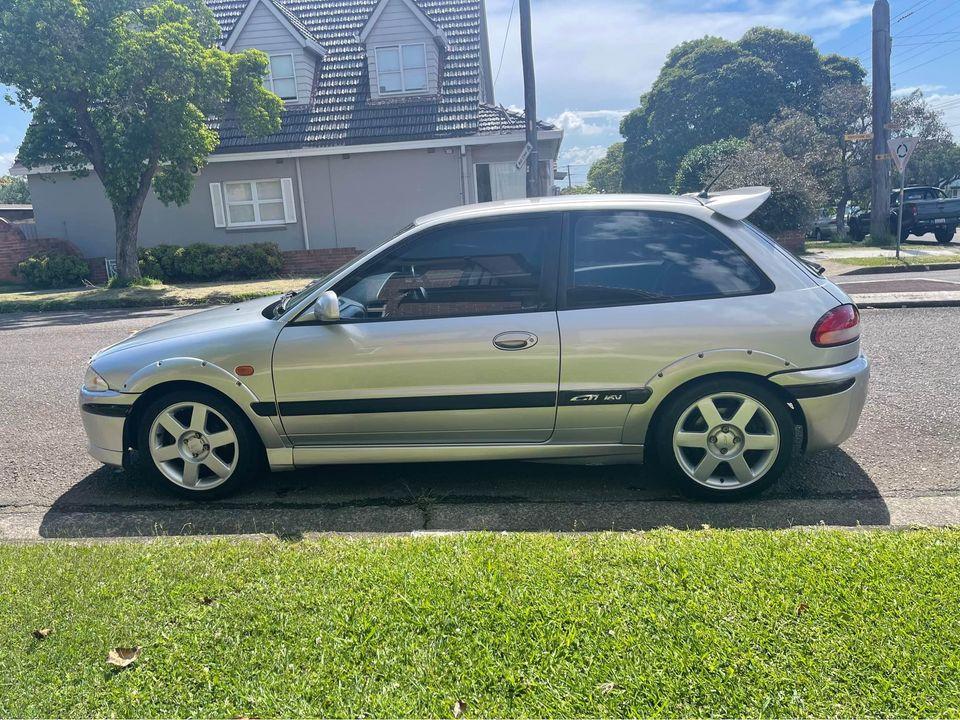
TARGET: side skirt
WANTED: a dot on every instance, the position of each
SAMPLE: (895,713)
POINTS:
(306,456)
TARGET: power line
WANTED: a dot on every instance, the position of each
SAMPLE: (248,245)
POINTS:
(910,10)
(503,50)
(927,62)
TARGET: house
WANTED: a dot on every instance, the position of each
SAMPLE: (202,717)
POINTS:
(389,115)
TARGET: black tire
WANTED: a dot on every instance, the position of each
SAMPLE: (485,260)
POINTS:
(250,459)
(678,403)
(856,234)
(945,236)
(817,235)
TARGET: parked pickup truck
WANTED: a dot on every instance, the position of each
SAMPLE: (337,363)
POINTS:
(926,210)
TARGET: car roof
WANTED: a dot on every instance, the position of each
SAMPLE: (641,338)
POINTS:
(557,203)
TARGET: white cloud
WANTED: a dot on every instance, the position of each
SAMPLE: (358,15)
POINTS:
(6,160)
(589,122)
(581,156)
(925,89)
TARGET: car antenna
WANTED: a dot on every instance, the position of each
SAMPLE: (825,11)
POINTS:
(705,193)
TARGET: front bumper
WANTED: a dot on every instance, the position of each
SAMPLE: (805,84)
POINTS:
(831,400)
(103,415)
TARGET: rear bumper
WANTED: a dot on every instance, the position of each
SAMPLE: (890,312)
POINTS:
(831,400)
(103,415)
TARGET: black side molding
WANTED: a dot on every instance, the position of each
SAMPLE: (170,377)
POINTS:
(819,389)
(107,410)
(484,401)
(637,396)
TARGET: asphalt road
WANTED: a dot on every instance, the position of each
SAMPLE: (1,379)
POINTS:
(901,467)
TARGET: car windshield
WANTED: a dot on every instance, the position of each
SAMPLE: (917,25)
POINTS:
(293,298)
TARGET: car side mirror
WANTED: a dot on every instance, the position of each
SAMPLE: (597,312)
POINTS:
(327,307)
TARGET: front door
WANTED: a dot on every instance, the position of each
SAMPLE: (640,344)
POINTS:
(449,337)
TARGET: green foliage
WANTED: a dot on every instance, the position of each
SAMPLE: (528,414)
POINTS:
(606,174)
(117,282)
(203,262)
(702,163)
(124,86)
(578,190)
(14,191)
(53,270)
(712,89)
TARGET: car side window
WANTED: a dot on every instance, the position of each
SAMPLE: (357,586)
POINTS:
(629,257)
(479,267)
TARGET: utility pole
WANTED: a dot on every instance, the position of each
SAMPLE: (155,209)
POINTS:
(569,178)
(880,205)
(534,188)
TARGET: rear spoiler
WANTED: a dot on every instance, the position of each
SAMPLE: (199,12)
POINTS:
(734,204)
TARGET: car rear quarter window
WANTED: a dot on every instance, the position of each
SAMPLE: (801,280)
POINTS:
(629,257)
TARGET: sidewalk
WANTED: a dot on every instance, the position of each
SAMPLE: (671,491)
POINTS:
(879,290)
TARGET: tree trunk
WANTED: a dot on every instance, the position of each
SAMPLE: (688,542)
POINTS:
(841,211)
(127,221)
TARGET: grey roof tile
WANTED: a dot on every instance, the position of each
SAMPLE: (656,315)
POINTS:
(340,111)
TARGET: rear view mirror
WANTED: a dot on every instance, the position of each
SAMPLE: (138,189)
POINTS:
(327,307)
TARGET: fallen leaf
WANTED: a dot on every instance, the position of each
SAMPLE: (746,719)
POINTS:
(607,687)
(802,608)
(42,633)
(459,708)
(122,657)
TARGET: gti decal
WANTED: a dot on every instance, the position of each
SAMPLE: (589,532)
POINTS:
(635,396)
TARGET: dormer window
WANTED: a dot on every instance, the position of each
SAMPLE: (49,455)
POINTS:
(402,68)
(282,77)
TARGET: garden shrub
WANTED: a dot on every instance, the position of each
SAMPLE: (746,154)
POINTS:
(53,270)
(204,262)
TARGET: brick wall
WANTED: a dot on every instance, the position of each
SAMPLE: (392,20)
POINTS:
(792,240)
(14,248)
(316,262)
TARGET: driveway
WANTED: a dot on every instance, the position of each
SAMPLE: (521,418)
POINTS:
(900,468)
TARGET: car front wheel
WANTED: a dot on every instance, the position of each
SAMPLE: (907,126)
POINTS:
(725,439)
(197,445)
(945,236)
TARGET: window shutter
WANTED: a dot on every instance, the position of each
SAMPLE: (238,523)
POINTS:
(289,208)
(216,197)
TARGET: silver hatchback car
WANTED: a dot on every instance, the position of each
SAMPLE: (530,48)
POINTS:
(572,329)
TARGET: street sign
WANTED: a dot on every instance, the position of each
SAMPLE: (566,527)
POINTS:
(524,154)
(854,137)
(901,149)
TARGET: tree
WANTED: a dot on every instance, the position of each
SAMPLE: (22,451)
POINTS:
(712,89)
(14,191)
(702,163)
(606,174)
(936,161)
(126,87)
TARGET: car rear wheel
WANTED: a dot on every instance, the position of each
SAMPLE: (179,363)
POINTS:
(725,439)
(197,445)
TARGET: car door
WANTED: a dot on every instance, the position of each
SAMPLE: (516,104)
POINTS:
(448,337)
(640,290)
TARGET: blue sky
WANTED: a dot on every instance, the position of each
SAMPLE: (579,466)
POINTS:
(596,57)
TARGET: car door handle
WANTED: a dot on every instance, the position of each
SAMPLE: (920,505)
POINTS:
(514,340)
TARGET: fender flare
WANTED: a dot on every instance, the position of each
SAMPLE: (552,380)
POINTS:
(691,367)
(203,372)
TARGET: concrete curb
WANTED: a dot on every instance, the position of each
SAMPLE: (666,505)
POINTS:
(907,300)
(886,269)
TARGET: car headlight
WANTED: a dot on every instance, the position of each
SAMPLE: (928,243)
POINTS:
(93,382)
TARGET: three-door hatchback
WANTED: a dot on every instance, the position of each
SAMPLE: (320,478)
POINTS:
(574,329)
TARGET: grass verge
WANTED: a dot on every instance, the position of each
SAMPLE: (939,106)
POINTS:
(21,300)
(904,261)
(712,623)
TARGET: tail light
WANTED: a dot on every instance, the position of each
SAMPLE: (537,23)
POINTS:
(837,327)
(912,210)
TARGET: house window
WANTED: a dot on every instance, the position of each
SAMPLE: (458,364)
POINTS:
(257,202)
(282,79)
(402,68)
(500,181)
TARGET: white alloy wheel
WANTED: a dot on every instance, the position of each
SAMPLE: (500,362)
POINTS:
(726,441)
(193,446)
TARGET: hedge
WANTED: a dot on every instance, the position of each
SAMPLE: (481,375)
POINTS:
(53,270)
(204,262)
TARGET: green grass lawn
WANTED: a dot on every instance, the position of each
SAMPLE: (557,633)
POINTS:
(905,260)
(666,623)
(13,299)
